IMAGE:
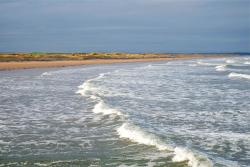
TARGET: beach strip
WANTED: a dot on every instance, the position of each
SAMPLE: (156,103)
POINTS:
(12,65)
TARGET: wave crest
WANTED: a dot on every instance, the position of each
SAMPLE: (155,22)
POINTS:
(230,61)
(238,75)
(46,74)
(208,64)
(102,108)
(221,67)
(247,62)
(138,135)
(85,88)
(194,160)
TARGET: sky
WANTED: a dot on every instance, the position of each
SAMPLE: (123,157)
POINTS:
(136,26)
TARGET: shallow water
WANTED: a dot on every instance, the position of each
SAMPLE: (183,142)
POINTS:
(179,113)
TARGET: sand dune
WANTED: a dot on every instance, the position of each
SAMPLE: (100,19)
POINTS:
(20,63)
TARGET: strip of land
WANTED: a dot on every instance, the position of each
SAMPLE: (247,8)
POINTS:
(13,61)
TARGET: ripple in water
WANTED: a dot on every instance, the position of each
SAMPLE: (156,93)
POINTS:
(180,113)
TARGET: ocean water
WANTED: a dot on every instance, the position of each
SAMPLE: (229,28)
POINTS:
(179,113)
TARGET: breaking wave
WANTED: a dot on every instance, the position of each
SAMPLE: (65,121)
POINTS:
(194,160)
(247,62)
(104,109)
(238,75)
(46,74)
(221,67)
(208,64)
(138,135)
(87,88)
(230,61)
(218,67)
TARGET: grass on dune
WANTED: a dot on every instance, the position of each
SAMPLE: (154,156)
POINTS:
(36,56)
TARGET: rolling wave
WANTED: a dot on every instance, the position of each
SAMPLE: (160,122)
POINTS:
(231,64)
(247,62)
(221,67)
(238,75)
(46,74)
(137,134)
(104,109)
(218,67)
(230,61)
(194,160)
(87,89)
(206,64)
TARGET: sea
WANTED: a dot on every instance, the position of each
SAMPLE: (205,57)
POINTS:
(183,113)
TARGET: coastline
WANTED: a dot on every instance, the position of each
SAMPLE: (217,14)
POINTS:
(15,65)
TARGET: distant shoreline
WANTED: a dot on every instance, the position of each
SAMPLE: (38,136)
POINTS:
(46,60)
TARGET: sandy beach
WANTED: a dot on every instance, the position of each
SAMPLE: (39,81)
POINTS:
(17,64)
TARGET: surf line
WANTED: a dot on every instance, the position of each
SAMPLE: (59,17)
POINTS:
(137,134)
(238,75)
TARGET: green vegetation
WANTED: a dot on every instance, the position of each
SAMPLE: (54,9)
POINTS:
(37,56)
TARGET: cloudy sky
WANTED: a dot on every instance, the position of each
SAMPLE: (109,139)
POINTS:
(125,25)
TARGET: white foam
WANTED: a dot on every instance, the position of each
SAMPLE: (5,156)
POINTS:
(102,108)
(206,64)
(101,75)
(59,162)
(40,164)
(138,135)
(247,62)
(9,164)
(94,97)
(151,164)
(4,142)
(221,67)
(46,74)
(87,87)
(230,61)
(84,88)
(194,160)
(238,75)
(124,165)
